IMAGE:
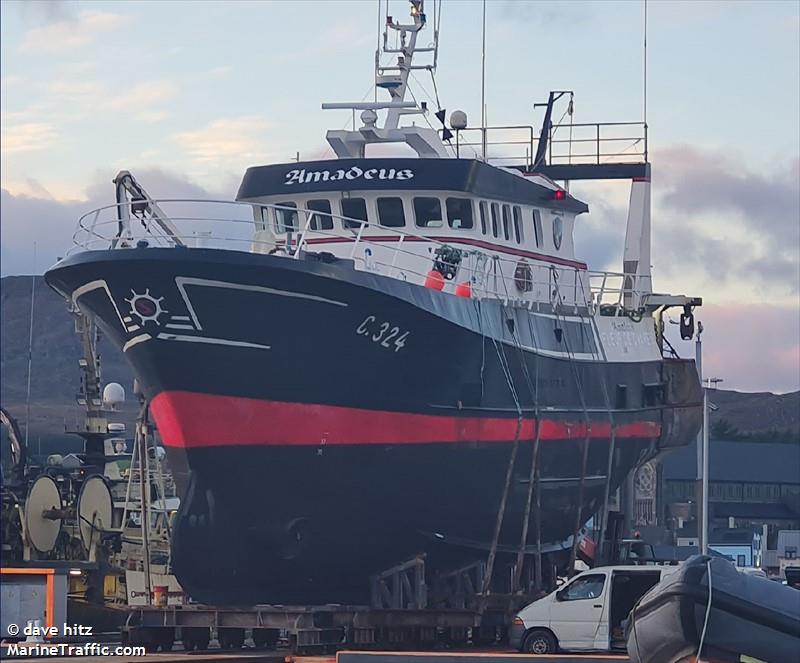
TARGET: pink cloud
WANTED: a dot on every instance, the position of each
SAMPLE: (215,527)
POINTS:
(753,347)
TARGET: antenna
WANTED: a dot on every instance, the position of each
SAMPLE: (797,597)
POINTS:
(483,86)
(378,47)
(644,83)
(30,352)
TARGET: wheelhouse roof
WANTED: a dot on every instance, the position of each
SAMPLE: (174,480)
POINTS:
(463,175)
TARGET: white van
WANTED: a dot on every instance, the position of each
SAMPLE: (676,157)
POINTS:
(587,613)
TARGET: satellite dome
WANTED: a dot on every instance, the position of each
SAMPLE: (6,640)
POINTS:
(458,119)
(369,118)
(113,395)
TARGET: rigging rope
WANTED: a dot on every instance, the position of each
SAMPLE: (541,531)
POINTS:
(533,388)
(537,560)
(509,472)
(534,459)
(612,443)
(581,396)
(424,115)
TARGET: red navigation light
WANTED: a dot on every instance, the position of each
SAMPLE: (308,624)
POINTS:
(560,195)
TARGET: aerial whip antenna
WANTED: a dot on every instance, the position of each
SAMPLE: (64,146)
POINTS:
(483,86)
(644,83)
(30,352)
(378,47)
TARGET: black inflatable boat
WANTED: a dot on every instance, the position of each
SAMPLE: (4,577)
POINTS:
(747,615)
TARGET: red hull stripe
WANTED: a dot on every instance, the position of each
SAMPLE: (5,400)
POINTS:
(191,420)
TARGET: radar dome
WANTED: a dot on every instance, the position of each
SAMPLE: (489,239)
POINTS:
(158,452)
(113,395)
(458,119)
(369,118)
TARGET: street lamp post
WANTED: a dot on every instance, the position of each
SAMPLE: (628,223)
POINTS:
(710,383)
(704,507)
(700,474)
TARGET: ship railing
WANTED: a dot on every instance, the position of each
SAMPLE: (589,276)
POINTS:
(233,225)
(572,143)
(597,143)
(614,289)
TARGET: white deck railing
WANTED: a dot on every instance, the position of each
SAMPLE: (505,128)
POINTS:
(230,225)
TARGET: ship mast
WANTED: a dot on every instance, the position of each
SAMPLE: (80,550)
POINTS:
(425,141)
(397,84)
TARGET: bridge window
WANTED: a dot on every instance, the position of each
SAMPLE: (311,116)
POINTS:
(286,217)
(323,219)
(428,212)
(495,214)
(390,212)
(354,208)
(518,236)
(484,216)
(506,221)
(537,226)
(459,213)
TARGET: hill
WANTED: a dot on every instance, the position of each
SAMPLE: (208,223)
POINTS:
(55,376)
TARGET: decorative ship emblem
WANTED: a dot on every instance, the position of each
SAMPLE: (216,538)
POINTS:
(146,307)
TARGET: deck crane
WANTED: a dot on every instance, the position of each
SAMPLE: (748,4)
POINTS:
(132,199)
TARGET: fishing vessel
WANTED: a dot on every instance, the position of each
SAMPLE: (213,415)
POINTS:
(370,357)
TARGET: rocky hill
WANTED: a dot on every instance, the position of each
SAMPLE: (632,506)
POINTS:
(55,375)
(755,416)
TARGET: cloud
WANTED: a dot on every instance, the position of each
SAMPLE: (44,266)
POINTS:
(229,142)
(70,32)
(727,222)
(219,72)
(599,236)
(44,12)
(143,95)
(12,81)
(27,137)
(151,116)
(341,36)
(51,222)
(74,97)
(706,181)
(565,13)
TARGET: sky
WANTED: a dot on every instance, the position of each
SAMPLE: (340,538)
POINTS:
(188,94)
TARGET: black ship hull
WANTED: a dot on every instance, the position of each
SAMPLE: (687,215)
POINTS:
(325,423)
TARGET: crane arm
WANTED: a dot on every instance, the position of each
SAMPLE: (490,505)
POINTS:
(132,199)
